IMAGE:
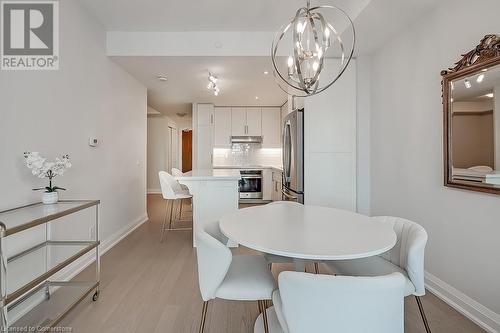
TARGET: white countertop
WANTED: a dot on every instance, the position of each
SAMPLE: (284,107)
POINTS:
(249,167)
(211,174)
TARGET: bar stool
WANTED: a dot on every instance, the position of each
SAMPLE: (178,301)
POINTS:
(178,173)
(172,192)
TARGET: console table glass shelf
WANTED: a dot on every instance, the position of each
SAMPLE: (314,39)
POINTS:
(30,297)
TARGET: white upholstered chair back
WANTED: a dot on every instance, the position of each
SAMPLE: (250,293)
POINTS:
(214,259)
(325,303)
(408,253)
(176,172)
(169,186)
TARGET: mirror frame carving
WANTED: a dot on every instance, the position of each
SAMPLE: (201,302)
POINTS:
(485,55)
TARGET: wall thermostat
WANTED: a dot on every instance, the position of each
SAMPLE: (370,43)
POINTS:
(93,142)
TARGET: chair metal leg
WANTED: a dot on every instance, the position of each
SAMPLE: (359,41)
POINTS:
(264,315)
(316,268)
(164,224)
(422,313)
(171,213)
(180,210)
(203,316)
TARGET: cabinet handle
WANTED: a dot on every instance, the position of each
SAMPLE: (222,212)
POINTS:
(211,119)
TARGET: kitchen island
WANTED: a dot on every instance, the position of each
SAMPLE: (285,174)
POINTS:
(215,193)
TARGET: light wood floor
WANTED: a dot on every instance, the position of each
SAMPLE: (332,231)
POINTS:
(153,287)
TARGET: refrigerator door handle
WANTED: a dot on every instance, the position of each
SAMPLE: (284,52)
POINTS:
(287,143)
(288,196)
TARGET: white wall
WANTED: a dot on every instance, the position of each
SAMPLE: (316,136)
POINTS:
(406,152)
(55,112)
(158,149)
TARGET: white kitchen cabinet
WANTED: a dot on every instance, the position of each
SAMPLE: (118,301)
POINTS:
(239,121)
(254,121)
(267,184)
(205,114)
(222,134)
(205,147)
(330,143)
(203,135)
(276,185)
(246,121)
(271,127)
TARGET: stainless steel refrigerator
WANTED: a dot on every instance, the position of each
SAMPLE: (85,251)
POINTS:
(293,156)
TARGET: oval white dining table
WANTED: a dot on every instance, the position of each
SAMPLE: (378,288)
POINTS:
(306,232)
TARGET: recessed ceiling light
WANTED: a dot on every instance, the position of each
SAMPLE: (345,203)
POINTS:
(161,78)
(480,78)
(256,97)
(266,72)
(467,84)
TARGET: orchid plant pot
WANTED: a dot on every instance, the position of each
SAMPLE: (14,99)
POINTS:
(42,169)
(49,198)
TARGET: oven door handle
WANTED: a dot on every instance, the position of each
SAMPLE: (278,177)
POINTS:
(251,177)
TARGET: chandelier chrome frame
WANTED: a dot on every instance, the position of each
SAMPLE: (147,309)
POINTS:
(296,79)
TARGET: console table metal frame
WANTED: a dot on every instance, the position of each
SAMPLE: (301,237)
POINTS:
(19,295)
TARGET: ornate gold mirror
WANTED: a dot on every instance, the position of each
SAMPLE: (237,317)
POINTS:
(471,101)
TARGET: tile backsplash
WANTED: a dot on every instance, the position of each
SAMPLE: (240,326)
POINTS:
(244,154)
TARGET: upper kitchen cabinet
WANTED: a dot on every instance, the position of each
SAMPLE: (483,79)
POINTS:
(271,127)
(222,133)
(246,121)
(205,114)
(239,121)
(254,121)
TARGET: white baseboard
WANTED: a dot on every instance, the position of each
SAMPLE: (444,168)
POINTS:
(75,268)
(154,191)
(478,313)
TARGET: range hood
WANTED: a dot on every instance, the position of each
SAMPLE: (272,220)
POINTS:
(246,139)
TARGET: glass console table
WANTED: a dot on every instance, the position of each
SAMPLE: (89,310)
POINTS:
(30,298)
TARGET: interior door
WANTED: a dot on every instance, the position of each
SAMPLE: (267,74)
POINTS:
(187,150)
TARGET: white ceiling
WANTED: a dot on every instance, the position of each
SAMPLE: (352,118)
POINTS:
(203,15)
(241,79)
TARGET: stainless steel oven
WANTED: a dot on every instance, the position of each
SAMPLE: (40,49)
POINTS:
(251,184)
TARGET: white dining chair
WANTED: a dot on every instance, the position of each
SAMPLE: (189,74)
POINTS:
(276,259)
(172,192)
(222,275)
(178,173)
(323,303)
(406,257)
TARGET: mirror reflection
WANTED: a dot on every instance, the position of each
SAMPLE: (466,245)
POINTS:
(475,132)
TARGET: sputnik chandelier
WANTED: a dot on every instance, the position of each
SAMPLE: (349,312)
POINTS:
(314,39)
(212,84)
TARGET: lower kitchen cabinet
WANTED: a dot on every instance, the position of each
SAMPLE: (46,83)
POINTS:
(276,182)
